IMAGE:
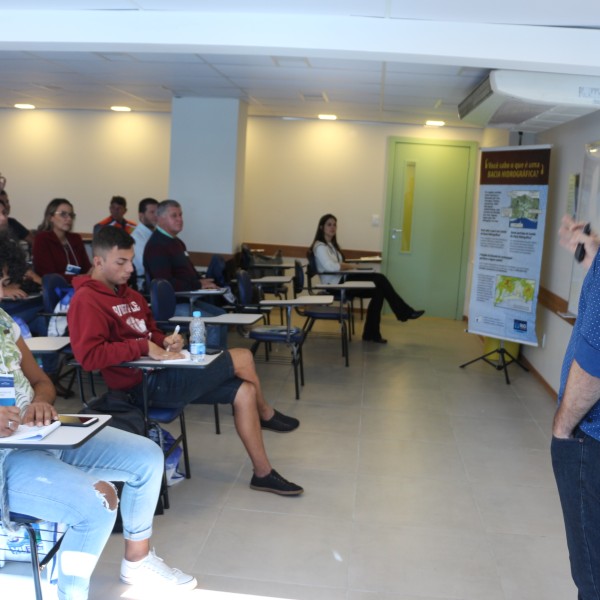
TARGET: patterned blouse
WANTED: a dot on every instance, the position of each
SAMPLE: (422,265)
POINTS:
(10,360)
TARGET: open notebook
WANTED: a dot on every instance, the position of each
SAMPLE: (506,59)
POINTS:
(25,432)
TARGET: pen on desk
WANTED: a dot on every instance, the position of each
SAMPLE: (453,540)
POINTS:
(177,328)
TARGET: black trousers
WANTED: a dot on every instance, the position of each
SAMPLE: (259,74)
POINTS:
(384,290)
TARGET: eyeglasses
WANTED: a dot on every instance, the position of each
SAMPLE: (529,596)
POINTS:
(63,214)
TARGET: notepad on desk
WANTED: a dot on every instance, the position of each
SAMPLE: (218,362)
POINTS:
(187,359)
(35,432)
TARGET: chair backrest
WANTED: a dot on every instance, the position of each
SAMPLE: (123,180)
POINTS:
(216,270)
(244,287)
(298,278)
(246,259)
(54,287)
(162,299)
(311,269)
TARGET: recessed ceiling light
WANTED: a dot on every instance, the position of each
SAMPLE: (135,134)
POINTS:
(435,123)
(120,108)
(25,106)
(328,117)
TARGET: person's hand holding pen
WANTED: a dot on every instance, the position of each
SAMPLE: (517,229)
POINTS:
(174,342)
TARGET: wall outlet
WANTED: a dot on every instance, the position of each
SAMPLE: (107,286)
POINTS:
(375,220)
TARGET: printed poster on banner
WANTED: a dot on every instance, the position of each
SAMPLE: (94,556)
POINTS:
(510,239)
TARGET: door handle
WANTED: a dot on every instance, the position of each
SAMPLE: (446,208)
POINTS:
(395,233)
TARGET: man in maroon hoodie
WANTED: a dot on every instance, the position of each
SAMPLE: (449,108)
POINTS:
(110,323)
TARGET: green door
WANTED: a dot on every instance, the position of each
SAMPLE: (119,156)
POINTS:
(428,218)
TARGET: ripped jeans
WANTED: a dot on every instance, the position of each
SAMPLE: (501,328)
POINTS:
(58,486)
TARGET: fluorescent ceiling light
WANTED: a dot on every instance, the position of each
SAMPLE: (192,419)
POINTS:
(120,108)
(328,117)
(25,106)
(435,123)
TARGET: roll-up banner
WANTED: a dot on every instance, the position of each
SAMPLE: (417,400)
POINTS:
(510,238)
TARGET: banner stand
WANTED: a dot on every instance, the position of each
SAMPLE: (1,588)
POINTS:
(503,364)
(511,216)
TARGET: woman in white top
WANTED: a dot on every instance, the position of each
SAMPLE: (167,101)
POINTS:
(330,259)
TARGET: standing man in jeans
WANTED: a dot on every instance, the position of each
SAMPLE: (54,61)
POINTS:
(576,428)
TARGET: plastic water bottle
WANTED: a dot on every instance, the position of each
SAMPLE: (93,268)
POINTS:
(197,337)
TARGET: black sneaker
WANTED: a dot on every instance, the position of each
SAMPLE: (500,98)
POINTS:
(280,423)
(275,483)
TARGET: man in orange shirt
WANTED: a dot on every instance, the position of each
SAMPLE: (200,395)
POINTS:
(117,208)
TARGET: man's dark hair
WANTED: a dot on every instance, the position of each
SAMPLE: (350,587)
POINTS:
(119,200)
(108,237)
(145,203)
(12,258)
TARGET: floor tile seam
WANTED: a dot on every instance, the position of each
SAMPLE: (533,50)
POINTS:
(290,515)
(299,585)
(220,508)
(548,486)
(494,418)
(413,478)
(427,442)
(400,528)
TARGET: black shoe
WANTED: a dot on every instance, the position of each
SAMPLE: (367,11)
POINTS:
(275,483)
(280,423)
(415,314)
(377,340)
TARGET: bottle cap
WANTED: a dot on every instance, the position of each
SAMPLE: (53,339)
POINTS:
(196,313)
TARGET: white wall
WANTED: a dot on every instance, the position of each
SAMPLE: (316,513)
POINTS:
(296,171)
(567,158)
(84,156)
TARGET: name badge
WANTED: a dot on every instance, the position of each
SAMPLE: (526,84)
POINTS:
(72,269)
(7,389)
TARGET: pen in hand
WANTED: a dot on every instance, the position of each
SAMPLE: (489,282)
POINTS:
(177,328)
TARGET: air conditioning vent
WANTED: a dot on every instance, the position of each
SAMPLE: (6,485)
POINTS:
(529,101)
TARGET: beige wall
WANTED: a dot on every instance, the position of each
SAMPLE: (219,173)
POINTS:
(84,156)
(297,171)
(567,158)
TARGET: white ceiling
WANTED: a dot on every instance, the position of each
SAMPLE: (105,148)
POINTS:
(369,60)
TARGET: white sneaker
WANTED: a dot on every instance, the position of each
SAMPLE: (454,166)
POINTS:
(153,571)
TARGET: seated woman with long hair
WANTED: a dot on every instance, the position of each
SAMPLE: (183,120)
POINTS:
(55,248)
(72,486)
(329,258)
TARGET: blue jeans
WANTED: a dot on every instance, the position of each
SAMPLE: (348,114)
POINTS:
(58,486)
(576,464)
(216,336)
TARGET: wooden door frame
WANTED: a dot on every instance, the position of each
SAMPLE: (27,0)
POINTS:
(473,147)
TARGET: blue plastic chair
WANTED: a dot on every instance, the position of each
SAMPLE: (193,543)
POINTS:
(37,565)
(341,313)
(293,337)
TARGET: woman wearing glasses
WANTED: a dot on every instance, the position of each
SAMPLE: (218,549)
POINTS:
(55,248)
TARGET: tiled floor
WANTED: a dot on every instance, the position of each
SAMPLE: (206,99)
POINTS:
(423,481)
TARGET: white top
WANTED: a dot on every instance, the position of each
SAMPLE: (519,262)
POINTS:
(141,234)
(328,259)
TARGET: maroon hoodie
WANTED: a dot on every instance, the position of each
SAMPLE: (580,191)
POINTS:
(109,327)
